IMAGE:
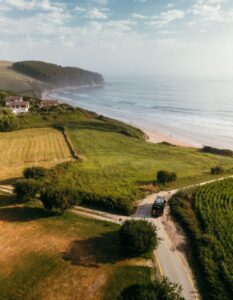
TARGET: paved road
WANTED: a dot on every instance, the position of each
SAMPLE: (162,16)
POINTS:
(171,260)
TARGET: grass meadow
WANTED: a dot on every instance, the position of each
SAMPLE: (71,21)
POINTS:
(125,166)
(17,82)
(62,257)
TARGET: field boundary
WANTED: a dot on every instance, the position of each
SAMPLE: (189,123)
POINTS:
(73,150)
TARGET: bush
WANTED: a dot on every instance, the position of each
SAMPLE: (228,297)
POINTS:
(110,203)
(138,236)
(35,172)
(27,189)
(224,152)
(164,177)
(8,121)
(164,290)
(58,199)
(216,170)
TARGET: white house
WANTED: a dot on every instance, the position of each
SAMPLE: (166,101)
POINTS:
(17,105)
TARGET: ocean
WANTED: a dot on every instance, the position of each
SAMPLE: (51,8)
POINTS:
(197,112)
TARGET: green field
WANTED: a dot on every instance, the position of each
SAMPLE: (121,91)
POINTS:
(119,166)
(62,257)
(207,216)
(23,148)
(16,82)
(116,161)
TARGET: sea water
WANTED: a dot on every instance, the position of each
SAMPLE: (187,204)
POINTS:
(194,111)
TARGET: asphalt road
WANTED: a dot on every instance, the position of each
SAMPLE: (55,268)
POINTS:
(171,260)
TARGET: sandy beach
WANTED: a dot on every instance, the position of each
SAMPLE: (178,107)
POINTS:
(156,137)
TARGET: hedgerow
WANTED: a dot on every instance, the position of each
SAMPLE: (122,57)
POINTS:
(207,216)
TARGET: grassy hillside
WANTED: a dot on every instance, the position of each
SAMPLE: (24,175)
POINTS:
(207,216)
(65,257)
(16,82)
(57,75)
(24,148)
(117,163)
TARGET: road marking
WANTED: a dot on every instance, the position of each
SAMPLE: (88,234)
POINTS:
(159,264)
(181,261)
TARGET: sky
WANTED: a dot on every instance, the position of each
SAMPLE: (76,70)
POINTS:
(122,37)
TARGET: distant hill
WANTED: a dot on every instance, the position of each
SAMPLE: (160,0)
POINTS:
(57,75)
(32,78)
(19,83)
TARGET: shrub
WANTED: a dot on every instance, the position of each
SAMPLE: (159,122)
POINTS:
(216,170)
(27,189)
(224,152)
(138,236)
(164,177)
(8,121)
(58,199)
(158,290)
(109,202)
(35,172)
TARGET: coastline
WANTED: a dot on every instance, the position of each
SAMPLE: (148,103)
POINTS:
(153,136)
(45,94)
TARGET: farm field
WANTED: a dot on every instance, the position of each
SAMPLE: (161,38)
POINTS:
(207,215)
(121,166)
(19,149)
(62,257)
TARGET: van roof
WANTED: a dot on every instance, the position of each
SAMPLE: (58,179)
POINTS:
(159,201)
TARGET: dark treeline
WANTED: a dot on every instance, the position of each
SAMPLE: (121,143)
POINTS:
(224,152)
(58,75)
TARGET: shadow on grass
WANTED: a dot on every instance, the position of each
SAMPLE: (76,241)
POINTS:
(7,200)
(22,214)
(103,249)
(146,182)
(10,181)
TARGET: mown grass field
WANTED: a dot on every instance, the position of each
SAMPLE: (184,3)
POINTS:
(23,148)
(207,215)
(124,166)
(62,257)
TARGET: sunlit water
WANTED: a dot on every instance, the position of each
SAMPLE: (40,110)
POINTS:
(199,112)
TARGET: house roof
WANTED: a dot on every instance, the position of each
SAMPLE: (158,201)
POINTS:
(48,102)
(14,98)
(17,104)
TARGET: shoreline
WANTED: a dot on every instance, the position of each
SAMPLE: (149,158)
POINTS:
(153,136)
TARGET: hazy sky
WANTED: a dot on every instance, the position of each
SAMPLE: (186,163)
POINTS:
(180,37)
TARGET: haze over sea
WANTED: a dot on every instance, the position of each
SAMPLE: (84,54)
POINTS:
(194,111)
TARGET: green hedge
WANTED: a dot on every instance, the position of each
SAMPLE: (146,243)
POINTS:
(109,203)
(208,251)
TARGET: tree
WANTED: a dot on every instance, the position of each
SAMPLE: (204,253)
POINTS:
(216,170)
(157,290)
(138,236)
(26,189)
(164,177)
(35,172)
(8,121)
(58,199)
